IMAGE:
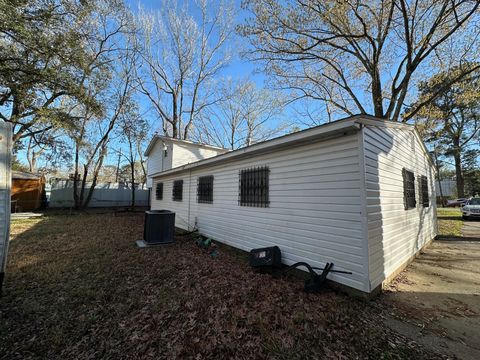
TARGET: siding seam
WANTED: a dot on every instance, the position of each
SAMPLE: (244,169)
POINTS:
(363,203)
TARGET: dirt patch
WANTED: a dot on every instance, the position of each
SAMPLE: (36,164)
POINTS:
(471,230)
(78,287)
(437,299)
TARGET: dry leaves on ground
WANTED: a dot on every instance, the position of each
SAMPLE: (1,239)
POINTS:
(78,287)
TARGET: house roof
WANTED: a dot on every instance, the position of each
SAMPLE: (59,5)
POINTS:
(21,175)
(324,131)
(173,140)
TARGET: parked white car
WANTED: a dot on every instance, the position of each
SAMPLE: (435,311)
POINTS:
(471,208)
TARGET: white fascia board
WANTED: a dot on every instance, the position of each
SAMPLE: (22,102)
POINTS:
(326,131)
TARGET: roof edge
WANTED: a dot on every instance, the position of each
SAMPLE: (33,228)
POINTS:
(188,142)
(327,130)
(332,129)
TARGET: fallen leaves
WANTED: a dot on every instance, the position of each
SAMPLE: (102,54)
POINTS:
(92,294)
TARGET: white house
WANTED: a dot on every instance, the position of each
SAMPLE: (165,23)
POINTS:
(358,192)
(160,152)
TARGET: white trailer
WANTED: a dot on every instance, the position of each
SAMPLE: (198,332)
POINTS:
(358,192)
(5,185)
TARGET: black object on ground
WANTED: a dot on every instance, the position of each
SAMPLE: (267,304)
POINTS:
(266,257)
(270,258)
(315,283)
(159,227)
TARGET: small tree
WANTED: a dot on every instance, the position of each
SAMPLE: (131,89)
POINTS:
(133,131)
(109,79)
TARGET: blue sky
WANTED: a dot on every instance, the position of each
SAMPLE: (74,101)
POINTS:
(239,67)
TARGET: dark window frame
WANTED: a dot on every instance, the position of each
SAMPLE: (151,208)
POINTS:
(159,191)
(205,189)
(253,187)
(409,199)
(177,190)
(424,198)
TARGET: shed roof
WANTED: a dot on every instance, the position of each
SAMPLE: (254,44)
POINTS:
(320,132)
(169,139)
(22,175)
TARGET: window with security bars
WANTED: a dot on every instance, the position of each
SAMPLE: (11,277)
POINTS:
(424,200)
(409,189)
(159,191)
(177,191)
(253,187)
(205,189)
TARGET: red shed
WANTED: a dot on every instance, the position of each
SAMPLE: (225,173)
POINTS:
(27,191)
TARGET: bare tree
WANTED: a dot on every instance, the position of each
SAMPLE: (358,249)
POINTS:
(133,131)
(110,80)
(49,146)
(244,115)
(181,52)
(357,56)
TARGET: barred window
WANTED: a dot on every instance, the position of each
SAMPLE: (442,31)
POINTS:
(409,189)
(424,200)
(205,189)
(177,191)
(159,191)
(253,187)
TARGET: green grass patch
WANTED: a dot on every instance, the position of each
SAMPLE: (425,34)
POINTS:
(449,212)
(450,221)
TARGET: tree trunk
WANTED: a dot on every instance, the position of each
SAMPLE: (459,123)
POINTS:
(132,167)
(76,200)
(459,174)
(437,166)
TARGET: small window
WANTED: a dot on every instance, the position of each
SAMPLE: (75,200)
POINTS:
(165,152)
(409,189)
(253,184)
(159,191)
(424,199)
(177,192)
(205,189)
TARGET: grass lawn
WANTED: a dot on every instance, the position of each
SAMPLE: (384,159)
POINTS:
(78,288)
(450,222)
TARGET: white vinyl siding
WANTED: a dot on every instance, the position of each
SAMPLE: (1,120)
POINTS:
(5,186)
(337,199)
(314,213)
(188,153)
(395,234)
(157,161)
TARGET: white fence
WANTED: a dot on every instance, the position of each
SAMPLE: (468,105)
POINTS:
(449,187)
(104,195)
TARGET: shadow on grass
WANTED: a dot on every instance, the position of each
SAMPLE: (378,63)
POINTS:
(449,217)
(450,238)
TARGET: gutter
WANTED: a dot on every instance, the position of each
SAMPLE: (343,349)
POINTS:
(324,132)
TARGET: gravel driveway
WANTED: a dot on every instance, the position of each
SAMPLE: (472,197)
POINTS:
(436,300)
